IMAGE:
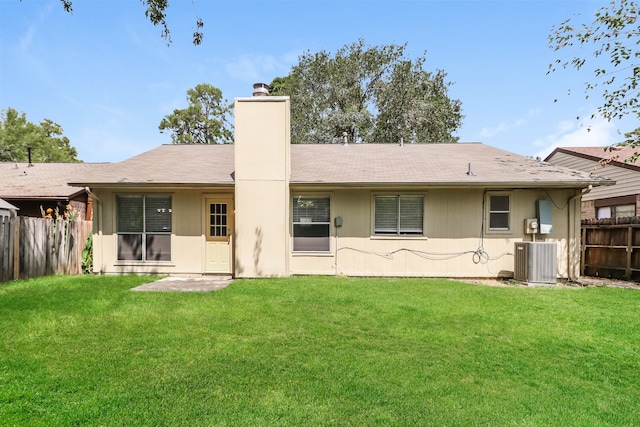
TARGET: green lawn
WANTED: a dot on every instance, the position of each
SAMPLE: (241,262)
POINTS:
(317,351)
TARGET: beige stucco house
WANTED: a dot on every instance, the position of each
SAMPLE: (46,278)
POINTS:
(619,201)
(263,207)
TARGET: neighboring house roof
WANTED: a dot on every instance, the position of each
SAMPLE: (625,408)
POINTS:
(41,180)
(612,155)
(4,205)
(355,164)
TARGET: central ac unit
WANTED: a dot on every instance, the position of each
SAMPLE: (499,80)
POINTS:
(536,262)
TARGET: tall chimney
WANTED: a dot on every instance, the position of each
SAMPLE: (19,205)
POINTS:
(262,172)
(260,89)
(29,154)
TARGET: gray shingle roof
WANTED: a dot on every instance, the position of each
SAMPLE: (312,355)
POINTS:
(42,180)
(355,164)
(437,164)
(195,164)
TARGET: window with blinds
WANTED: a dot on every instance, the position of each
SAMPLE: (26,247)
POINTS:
(143,225)
(311,224)
(401,215)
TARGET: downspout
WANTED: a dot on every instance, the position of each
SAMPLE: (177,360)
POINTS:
(99,225)
(336,253)
(570,201)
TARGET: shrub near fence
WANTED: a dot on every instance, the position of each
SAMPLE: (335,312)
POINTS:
(35,247)
(611,248)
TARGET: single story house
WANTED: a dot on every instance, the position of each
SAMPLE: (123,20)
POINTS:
(263,207)
(36,187)
(619,201)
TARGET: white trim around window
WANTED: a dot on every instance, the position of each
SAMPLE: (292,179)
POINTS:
(311,223)
(498,211)
(143,227)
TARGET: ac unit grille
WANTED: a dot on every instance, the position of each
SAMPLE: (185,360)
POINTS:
(536,262)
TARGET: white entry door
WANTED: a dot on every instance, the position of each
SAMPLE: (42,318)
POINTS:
(219,235)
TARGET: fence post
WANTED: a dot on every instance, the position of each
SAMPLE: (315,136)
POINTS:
(16,248)
(583,247)
(627,271)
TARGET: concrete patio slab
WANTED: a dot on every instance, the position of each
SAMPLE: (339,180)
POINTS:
(187,284)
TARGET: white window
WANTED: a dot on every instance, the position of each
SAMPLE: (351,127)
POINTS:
(400,215)
(499,209)
(616,211)
(311,224)
(143,227)
(624,211)
(603,212)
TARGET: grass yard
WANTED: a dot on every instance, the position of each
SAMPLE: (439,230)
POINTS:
(317,351)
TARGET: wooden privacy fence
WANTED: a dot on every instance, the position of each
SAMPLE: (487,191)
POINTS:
(611,248)
(35,247)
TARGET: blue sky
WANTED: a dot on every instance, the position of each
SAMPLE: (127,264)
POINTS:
(107,77)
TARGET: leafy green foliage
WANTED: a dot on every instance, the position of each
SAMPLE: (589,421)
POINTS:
(205,121)
(368,93)
(45,140)
(614,35)
(87,256)
(280,86)
(85,350)
(156,13)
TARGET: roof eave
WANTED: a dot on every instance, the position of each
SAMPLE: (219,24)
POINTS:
(593,158)
(36,197)
(462,184)
(151,184)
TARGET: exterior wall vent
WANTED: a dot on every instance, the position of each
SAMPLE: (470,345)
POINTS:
(260,89)
(536,262)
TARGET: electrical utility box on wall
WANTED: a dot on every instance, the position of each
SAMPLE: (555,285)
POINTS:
(531,226)
(543,209)
(536,262)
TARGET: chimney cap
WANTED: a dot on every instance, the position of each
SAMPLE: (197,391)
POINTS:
(261,89)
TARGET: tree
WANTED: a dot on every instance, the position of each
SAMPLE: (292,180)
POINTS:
(614,35)
(205,121)
(280,86)
(47,144)
(156,13)
(368,93)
